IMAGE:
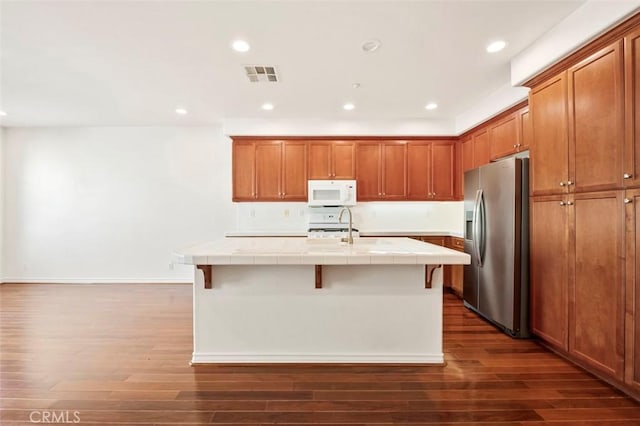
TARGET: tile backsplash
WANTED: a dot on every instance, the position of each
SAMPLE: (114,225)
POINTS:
(425,216)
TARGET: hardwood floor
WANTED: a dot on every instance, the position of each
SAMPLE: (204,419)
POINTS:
(118,354)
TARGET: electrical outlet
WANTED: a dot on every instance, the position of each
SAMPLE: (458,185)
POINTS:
(286,213)
(252,213)
(171,266)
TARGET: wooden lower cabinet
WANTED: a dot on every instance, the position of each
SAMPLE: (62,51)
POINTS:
(577,279)
(632,288)
(549,262)
(456,276)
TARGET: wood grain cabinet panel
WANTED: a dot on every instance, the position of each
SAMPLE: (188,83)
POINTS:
(631,173)
(332,160)
(381,170)
(596,121)
(431,170)
(550,150)
(596,320)
(481,148)
(548,257)
(467,154)
(504,136)
(526,129)
(294,170)
(244,171)
(268,170)
(632,289)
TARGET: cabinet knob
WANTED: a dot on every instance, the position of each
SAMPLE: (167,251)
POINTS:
(627,176)
(519,145)
(570,182)
(562,203)
(569,203)
(628,200)
(561,183)
(515,145)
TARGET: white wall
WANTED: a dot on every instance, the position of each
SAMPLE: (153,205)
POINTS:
(1,202)
(110,204)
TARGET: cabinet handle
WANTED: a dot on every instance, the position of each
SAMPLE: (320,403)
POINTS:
(569,203)
(562,203)
(561,183)
(628,200)
(627,176)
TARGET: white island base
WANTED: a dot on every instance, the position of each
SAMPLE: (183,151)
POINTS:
(362,312)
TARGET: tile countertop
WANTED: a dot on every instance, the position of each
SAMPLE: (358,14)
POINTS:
(327,251)
(363,233)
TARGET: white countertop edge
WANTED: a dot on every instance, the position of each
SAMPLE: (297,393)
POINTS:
(363,233)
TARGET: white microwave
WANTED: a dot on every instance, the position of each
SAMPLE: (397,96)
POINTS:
(331,193)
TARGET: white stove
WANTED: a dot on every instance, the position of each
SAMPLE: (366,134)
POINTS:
(323,223)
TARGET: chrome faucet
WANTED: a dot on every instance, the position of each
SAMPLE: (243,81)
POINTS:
(349,239)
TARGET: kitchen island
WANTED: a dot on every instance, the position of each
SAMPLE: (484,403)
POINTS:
(304,300)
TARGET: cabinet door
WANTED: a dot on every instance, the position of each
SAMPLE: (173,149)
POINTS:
(320,160)
(632,289)
(343,160)
(294,171)
(481,148)
(443,171)
(268,170)
(394,170)
(368,171)
(467,155)
(632,109)
(596,121)
(526,130)
(548,259)
(550,149)
(418,170)
(504,136)
(244,162)
(596,315)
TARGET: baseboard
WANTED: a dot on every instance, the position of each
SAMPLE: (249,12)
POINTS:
(226,358)
(93,281)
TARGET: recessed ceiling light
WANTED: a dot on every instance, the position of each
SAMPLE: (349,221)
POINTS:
(348,106)
(181,111)
(356,85)
(369,46)
(240,46)
(267,106)
(496,46)
(431,106)
(2,113)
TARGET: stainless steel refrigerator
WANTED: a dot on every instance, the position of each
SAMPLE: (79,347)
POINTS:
(496,283)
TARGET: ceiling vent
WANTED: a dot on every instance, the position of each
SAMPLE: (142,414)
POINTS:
(261,73)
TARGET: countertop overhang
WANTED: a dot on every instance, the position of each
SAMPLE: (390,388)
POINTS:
(304,251)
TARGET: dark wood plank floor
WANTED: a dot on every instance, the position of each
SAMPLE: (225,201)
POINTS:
(118,354)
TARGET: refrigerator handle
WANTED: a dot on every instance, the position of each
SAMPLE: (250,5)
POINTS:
(481,228)
(475,230)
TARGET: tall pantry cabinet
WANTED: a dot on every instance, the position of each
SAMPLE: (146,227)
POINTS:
(584,212)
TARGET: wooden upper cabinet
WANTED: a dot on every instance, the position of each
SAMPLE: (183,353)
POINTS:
(381,170)
(443,171)
(631,173)
(294,170)
(268,170)
(526,129)
(504,136)
(244,171)
(394,170)
(549,251)
(332,160)
(481,148)
(419,171)
(550,149)
(596,320)
(596,121)
(467,154)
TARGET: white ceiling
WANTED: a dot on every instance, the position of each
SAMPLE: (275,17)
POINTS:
(134,62)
